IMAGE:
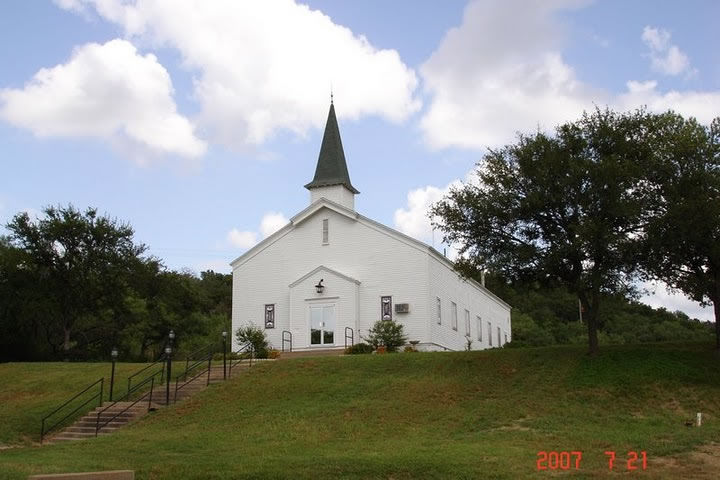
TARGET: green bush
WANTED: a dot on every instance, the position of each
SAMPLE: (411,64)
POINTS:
(388,334)
(255,336)
(359,348)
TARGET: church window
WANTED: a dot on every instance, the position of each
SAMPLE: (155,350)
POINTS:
(499,342)
(478,322)
(386,308)
(270,316)
(490,334)
(439,311)
(454,316)
(467,323)
(326,231)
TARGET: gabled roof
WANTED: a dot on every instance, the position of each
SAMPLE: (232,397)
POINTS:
(331,166)
(329,204)
(326,269)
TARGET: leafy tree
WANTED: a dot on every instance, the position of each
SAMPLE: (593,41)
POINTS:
(562,210)
(388,334)
(81,262)
(683,238)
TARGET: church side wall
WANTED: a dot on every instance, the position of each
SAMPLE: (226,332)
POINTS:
(383,264)
(449,287)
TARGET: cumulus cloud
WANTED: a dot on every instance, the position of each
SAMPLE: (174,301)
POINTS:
(665,58)
(242,239)
(487,82)
(271,222)
(413,220)
(107,91)
(267,66)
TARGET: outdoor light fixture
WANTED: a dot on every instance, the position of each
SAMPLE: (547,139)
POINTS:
(113,355)
(224,334)
(171,335)
(168,350)
(320,287)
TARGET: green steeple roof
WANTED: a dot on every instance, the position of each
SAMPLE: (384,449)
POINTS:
(331,166)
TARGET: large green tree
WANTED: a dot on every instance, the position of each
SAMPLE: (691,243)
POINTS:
(564,209)
(683,238)
(80,262)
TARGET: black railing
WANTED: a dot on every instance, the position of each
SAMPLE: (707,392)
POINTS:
(284,339)
(245,352)
(162,360)
(201,352)
(178,386)
(136,388)
(351,336)
(99,395)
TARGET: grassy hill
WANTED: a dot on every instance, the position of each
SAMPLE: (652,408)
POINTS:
(435,415)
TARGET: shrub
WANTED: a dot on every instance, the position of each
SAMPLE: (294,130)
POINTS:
(359,348)
(468,343)
(410,349)
(388,334)
(255,336)
(273,354)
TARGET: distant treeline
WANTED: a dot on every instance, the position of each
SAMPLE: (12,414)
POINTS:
(550,315)
(73,285)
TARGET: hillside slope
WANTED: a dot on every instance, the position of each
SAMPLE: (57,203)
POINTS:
(434,415)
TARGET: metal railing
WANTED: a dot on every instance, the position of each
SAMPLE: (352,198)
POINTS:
(245,352)
(205,351)
(351,337)
(162,360)
(99,395)
(178,386)
(284,339)
(136,388)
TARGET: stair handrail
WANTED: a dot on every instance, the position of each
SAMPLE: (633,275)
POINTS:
(163,359)
(151,379)
(286,340)
(351,336)
(207,349)
(99,395)
(246,349)
(208,359)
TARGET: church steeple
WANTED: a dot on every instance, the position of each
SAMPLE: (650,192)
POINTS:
(331,170)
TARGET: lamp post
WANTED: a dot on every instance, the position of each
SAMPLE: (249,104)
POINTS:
(113,355)
(168,354)
(224,335)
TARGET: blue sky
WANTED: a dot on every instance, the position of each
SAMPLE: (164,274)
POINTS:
(199,122)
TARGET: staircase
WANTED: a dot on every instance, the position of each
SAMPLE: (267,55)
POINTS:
(123,413)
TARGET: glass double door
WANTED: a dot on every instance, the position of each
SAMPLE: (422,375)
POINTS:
(322,325)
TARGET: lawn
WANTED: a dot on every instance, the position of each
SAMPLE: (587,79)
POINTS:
(426,415)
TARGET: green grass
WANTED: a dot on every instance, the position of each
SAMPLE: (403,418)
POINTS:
(436,415)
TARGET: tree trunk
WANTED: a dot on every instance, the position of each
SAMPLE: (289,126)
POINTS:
(66,342)
(594,348)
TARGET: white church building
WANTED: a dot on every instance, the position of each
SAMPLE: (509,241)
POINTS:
(327,276)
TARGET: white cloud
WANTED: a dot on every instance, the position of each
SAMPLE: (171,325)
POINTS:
(267,66)
(665,58)
(487,82)
(413,220)
(242,239)
(107,91)
(271,223)
(659,296)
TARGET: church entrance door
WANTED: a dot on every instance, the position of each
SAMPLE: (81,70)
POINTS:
(322,324)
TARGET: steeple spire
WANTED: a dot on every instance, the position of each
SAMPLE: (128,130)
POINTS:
(331,166)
